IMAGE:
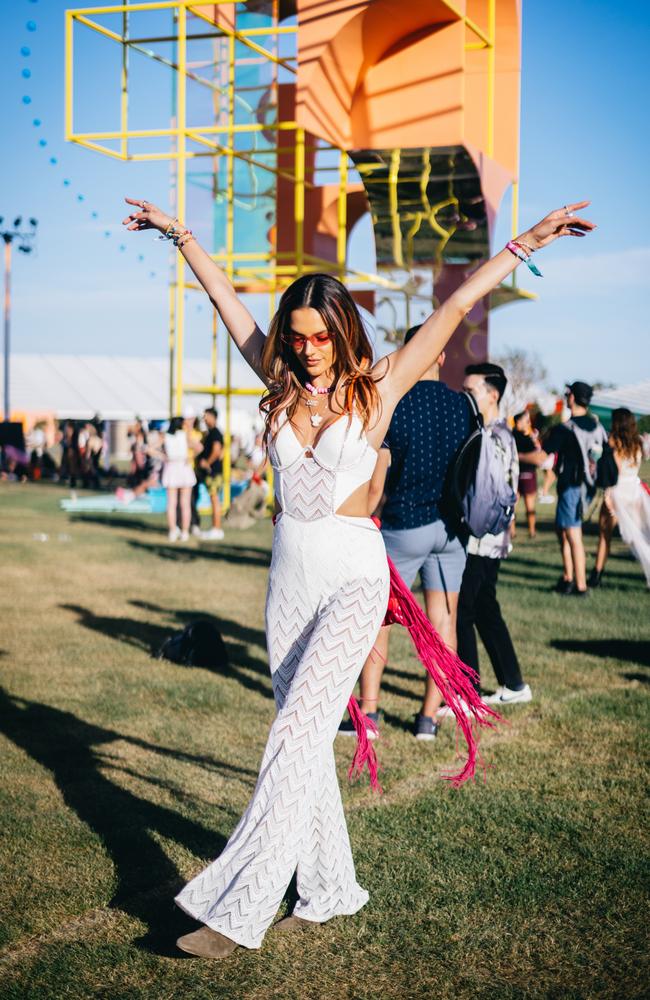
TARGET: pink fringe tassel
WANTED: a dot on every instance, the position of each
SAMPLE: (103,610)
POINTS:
(365,752)
(452,677)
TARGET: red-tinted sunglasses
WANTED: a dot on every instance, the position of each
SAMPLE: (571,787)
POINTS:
(298,341)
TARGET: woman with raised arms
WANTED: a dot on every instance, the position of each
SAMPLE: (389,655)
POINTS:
(327,407)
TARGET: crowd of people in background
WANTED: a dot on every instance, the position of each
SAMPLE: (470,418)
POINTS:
(414,492)
(578,456)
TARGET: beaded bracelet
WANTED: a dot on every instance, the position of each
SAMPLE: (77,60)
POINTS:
(517,250)
(183,239)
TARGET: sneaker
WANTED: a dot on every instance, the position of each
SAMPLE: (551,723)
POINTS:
(196,531)
(347,728)
(425,728)
(564,587)
(445,711)
(174,534)
(185,536)
(595,578)
(505,696)
(213,535)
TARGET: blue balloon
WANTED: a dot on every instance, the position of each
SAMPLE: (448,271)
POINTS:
(140,256)
(42,142)
(152,274)
(37,121)
(27,99)
(107,233)
(25,51)
(31,25)
(122,248)
(53,159)
(26,73)
(66,183)
(93,215)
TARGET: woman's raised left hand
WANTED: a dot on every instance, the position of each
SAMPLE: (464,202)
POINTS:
(561,222)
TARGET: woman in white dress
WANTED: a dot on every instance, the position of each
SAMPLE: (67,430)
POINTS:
(627,503)
(327,408)
(178,478)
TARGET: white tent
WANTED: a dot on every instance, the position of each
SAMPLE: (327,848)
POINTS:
(118,388)
(635,397)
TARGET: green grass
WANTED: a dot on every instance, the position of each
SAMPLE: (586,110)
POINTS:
(121,776)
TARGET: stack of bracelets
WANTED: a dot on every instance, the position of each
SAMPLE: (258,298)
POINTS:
(525,254)
(177,234)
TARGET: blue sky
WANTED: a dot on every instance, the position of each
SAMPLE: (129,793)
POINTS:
(584,134)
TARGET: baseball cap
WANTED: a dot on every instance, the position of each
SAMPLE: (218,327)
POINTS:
(582,392)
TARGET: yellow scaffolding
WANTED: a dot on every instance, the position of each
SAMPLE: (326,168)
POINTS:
(266,271)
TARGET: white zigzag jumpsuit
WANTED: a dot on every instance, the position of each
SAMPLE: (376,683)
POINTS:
(327,596)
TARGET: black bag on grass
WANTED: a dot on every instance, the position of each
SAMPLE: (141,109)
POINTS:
(199,644)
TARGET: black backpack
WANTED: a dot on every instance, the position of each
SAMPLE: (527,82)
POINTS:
(606,469)
(199,644)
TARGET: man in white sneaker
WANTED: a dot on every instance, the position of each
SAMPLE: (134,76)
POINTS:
(478,606)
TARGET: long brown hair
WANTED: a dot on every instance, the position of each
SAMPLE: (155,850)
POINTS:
(352,351)
(625,437)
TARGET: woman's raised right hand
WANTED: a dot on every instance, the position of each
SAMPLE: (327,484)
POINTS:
(147,217)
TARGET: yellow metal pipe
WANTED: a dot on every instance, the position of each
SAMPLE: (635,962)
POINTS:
(215,390)
(393,174)
(214,359)
(238,36)
(299,197)
(124,88)
(172,345)
(161,133)
(181,112)
(342,214)
(230,247)
(491,55)
(472,25)
(99,27)
(97,148)
(68,72)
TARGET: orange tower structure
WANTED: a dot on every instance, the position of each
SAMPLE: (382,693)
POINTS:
(425,97)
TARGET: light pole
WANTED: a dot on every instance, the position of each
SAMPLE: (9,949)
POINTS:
(25,245)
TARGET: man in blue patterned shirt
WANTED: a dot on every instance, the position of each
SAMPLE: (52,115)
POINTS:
(428,426)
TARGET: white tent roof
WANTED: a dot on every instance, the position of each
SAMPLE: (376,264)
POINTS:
(118,388)
(635,397)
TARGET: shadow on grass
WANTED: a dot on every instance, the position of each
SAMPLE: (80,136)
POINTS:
(125,520)
(239,555)
(525,562)
(149,637)
(71,749)
(630,650)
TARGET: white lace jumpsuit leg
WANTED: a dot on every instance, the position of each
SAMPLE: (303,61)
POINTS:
(328,591)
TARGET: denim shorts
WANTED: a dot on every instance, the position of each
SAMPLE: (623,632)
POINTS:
(570,506)
(429,550)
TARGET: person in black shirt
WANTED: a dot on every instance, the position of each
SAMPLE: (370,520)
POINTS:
(211,470)
(531,457)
